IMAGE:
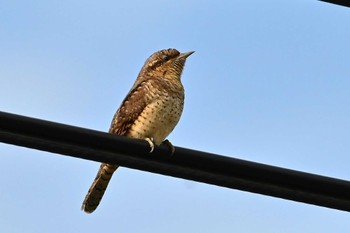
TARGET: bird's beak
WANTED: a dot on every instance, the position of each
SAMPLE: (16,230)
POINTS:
(185,55)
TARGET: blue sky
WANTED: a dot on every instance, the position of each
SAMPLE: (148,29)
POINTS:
(269,82)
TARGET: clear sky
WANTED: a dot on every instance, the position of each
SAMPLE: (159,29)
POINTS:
(269,82)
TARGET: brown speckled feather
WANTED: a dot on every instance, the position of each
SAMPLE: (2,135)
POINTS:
(129,111)
(150,111)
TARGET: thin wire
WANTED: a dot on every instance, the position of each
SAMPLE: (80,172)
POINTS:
(184,163)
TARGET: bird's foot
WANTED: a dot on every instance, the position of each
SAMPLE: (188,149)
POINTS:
(151,144)
(171,147)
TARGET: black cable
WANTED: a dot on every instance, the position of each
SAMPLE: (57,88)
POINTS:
(338,2)
(184,163)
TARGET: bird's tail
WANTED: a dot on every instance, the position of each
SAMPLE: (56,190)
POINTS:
(98,187)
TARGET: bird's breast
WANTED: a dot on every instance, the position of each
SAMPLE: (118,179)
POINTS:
(158,118)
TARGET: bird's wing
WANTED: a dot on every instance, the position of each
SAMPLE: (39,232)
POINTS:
(130,109)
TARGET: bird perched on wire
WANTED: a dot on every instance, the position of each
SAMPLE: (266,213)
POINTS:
(150,111)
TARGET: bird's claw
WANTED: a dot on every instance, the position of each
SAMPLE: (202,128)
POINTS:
(151,144)
(171,147)
(167,142)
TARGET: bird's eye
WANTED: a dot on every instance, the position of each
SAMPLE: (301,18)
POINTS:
(166,58)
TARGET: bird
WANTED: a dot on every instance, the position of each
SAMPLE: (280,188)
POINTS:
(150,111)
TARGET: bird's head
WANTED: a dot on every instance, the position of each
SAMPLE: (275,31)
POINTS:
(167,63)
